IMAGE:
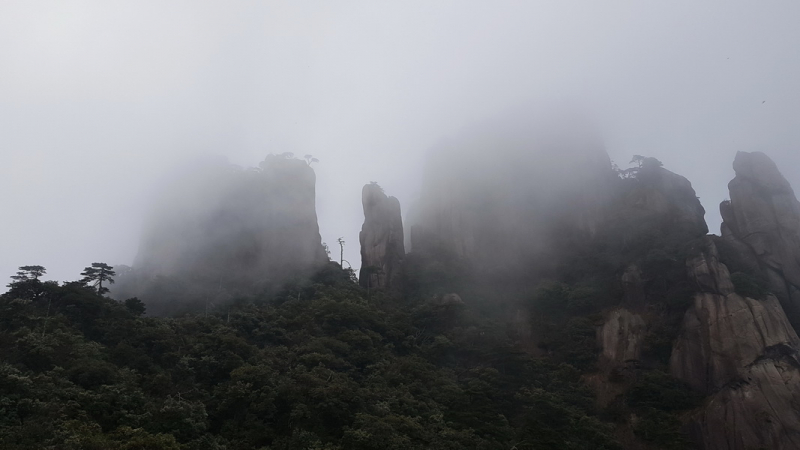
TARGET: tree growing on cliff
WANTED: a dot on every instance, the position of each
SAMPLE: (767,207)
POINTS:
(96,275)
(27,273)
(26,282)
(341,251)
(642,163)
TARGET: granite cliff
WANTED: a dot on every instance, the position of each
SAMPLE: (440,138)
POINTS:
(381,238)
(221,231)
(505,196)
(743,353)
(761,225)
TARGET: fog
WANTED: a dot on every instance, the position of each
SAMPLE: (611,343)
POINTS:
(101,101)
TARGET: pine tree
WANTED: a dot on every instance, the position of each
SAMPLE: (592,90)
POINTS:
(98,274)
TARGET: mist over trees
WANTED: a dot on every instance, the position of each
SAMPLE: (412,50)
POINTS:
(550,299)
(220,231)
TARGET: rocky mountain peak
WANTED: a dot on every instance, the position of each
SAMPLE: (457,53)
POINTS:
(230,231)
(762,220)
(381,238)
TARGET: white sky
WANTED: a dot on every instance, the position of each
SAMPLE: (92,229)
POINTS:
(98,99)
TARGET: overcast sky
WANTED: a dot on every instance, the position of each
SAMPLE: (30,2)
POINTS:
(99,99)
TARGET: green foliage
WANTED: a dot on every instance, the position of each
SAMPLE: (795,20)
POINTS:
(96,275)
(319,365)
(27,273)
(657,389)
(135,306)
(656,401)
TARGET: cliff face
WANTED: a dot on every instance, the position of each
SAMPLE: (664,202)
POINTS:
(724,332)
(221,231)
(504,195)
(761,222)
(743,353)
(381,238)
(665,200)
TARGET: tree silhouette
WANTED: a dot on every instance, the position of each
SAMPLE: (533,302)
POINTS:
(27,273)
(98,274)
(341,252)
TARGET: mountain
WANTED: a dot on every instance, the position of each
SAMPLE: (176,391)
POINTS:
(381,239)
(761,228)
(549,300)
(219,232)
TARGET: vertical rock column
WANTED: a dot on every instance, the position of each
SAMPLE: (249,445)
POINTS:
(764,215)
(381,238)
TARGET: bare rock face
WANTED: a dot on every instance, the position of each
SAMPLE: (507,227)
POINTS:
(381,238)
(764,215)
(657,200)
(621,338)
(671,195)
(758,412)
(722,331)
(742,352)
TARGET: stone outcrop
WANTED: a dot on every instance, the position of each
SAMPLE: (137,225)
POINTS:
(758,412)
(505,194)
(220,231)
(621,338)
(722,331)
(670,199)
(654,202)
(743,353)
(761,222)
(381,238)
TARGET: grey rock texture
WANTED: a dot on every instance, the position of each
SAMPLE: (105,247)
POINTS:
(657,200)
(743,353)
(759,412)
(381,238)
(762,219)
(722,331)
(621,338)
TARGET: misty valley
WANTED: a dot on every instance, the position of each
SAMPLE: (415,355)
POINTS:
(535,296)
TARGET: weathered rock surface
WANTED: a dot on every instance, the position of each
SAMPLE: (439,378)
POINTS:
(621,338)
(758,412)
(381,238)
(742,352)
(671,196)
(764,214)
(657,201)
(722,331)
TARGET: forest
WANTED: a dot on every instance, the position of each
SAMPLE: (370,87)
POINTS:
(322,365)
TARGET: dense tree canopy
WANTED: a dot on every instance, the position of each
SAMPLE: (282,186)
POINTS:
(319,366)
